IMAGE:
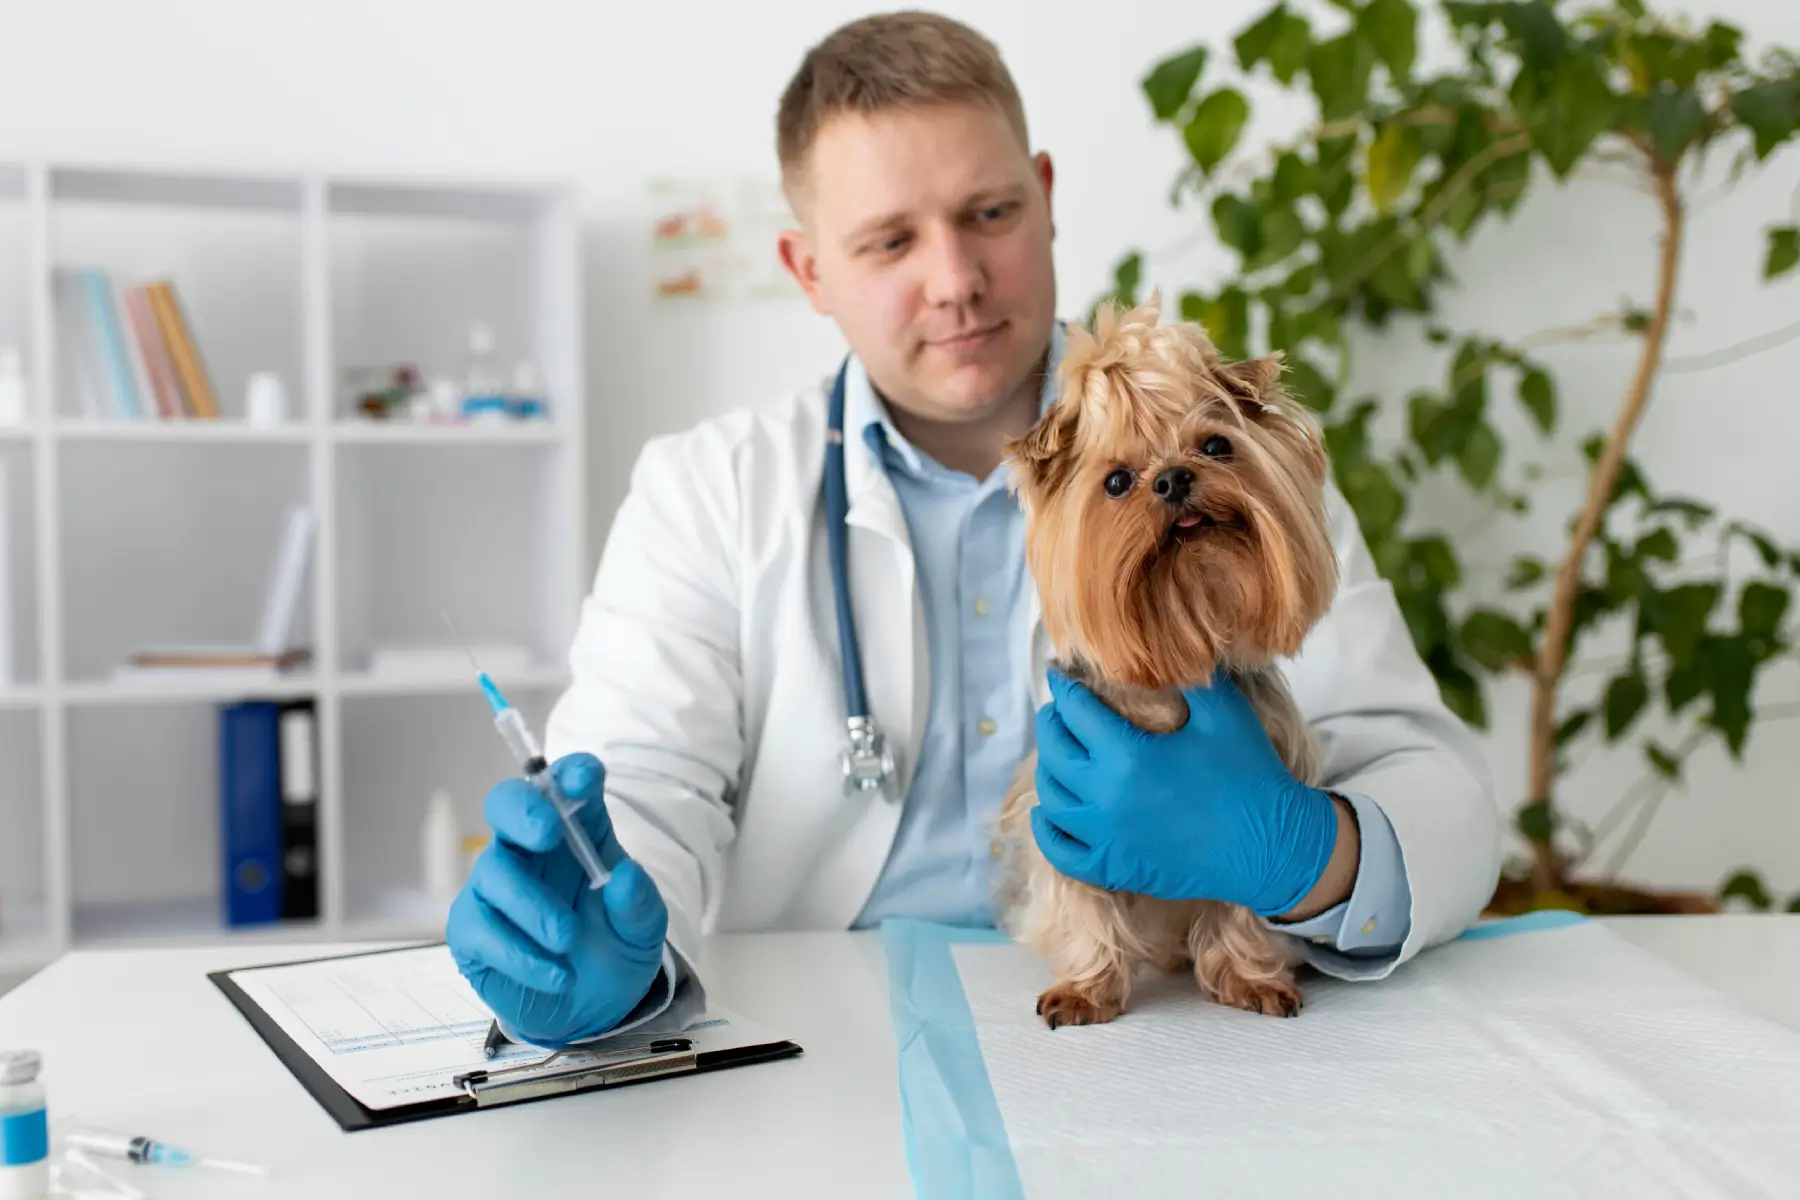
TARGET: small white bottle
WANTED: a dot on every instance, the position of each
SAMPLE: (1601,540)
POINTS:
(12,386)
(24,1127)
(441,848)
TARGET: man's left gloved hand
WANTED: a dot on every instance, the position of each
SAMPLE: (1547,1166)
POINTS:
(1208,811)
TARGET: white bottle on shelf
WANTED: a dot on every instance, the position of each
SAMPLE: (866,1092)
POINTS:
(441,848)
(12,386)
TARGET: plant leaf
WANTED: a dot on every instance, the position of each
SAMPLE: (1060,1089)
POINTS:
(1661,761)
(1537,822)
(1524,572)
(1761,609)
(1769,111)
(1293,46)
(1626,698)
(1784,251)
(1126,278)
(1733,672)
(1678,616)
(1340,70)
(1237,222)
(1392,29)
(1495,640)
(1438,561)
(1479,456)
(1258,38)
(1171,82)
(1675,118)
(1213,131)
(1658,544)
(1538,394)
(1572,725)
(1393,156)
(1749,887)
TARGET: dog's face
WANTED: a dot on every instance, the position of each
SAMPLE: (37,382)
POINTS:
(1174,506)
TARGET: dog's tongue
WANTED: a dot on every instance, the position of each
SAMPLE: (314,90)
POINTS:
(1189,520)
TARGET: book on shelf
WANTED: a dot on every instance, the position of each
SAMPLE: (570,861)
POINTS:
(271,653)
(129,351)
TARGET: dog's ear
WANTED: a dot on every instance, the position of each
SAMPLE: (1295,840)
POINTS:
(1252,383)
(1041,452)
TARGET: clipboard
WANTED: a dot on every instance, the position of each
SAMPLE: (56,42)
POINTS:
(609,1063)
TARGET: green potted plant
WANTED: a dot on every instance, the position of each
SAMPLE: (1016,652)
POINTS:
(1342,237)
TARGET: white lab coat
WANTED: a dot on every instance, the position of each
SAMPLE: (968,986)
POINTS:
(705,677)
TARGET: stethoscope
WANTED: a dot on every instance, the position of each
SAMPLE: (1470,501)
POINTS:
(868,762)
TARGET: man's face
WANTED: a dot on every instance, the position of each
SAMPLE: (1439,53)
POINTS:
(928,240)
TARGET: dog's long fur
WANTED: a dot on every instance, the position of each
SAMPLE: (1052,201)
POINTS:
(1139,610)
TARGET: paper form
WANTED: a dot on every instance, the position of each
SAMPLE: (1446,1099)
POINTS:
(397,1027)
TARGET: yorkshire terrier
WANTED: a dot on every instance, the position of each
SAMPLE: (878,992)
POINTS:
(1175,522)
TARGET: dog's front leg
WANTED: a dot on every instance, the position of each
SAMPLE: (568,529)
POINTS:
(1079,936)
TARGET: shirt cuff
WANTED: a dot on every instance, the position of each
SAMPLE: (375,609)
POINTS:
(1375,919)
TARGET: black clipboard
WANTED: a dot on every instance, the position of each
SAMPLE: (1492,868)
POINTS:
(668,1058)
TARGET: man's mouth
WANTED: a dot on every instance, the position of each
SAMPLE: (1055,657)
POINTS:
(974,339)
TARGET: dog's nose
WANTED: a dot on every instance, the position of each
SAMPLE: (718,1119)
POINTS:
(1174,484)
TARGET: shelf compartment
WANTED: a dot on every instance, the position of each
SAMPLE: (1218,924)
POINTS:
(20,664)
(172,545)
(396,752)
(442,529)
(230,432)
(24,929)
(231,247)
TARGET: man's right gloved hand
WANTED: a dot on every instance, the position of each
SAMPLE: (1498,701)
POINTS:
(558,962)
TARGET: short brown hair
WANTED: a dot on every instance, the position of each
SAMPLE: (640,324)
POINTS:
(906,59)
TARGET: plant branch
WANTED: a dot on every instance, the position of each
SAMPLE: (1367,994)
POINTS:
(1434,212)
(1560,618)
(1661,787)
(1742,350)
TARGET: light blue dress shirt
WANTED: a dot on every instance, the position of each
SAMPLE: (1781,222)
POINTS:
(968,540)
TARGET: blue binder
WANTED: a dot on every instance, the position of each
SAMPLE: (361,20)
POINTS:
(250,812)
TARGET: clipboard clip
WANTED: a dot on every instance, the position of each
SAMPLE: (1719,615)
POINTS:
(577,1070)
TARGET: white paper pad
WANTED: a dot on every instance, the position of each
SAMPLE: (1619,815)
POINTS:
(397,1027)
(1557,1063)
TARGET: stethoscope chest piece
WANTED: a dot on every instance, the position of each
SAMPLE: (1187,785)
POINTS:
(868,762)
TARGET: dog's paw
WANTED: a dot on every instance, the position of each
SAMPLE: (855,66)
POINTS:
(1272,998)
(1061,1004)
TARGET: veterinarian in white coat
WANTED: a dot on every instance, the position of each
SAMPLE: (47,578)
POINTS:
(708,704)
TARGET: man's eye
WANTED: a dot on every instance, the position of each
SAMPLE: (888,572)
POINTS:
(1118,483)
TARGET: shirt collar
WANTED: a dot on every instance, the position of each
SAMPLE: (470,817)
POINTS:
(867,416)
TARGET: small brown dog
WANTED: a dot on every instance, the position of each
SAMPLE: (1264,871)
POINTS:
(1175,522)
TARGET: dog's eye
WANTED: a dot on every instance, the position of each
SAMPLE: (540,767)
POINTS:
(1118,483)
(1216,447)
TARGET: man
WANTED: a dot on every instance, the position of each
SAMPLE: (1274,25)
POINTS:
(707,713)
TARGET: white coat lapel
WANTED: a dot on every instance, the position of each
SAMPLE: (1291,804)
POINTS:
(890,632)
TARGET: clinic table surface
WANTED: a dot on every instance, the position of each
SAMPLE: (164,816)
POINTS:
(142,1040)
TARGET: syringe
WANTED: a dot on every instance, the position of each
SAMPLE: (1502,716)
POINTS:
(537,771)
(149,1150)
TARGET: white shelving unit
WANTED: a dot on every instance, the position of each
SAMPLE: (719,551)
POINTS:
(124,533)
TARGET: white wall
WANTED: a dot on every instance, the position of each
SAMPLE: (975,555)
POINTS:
(610,93)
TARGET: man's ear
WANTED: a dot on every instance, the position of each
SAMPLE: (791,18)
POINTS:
(795,249)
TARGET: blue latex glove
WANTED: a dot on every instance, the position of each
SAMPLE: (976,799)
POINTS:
(1208,811)
(557,961)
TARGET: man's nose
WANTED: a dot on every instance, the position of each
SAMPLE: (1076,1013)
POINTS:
(1174,484)
(955,272)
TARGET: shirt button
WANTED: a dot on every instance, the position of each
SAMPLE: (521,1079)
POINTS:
(1368,927)
(982,606)
(995,850)
(986,726)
